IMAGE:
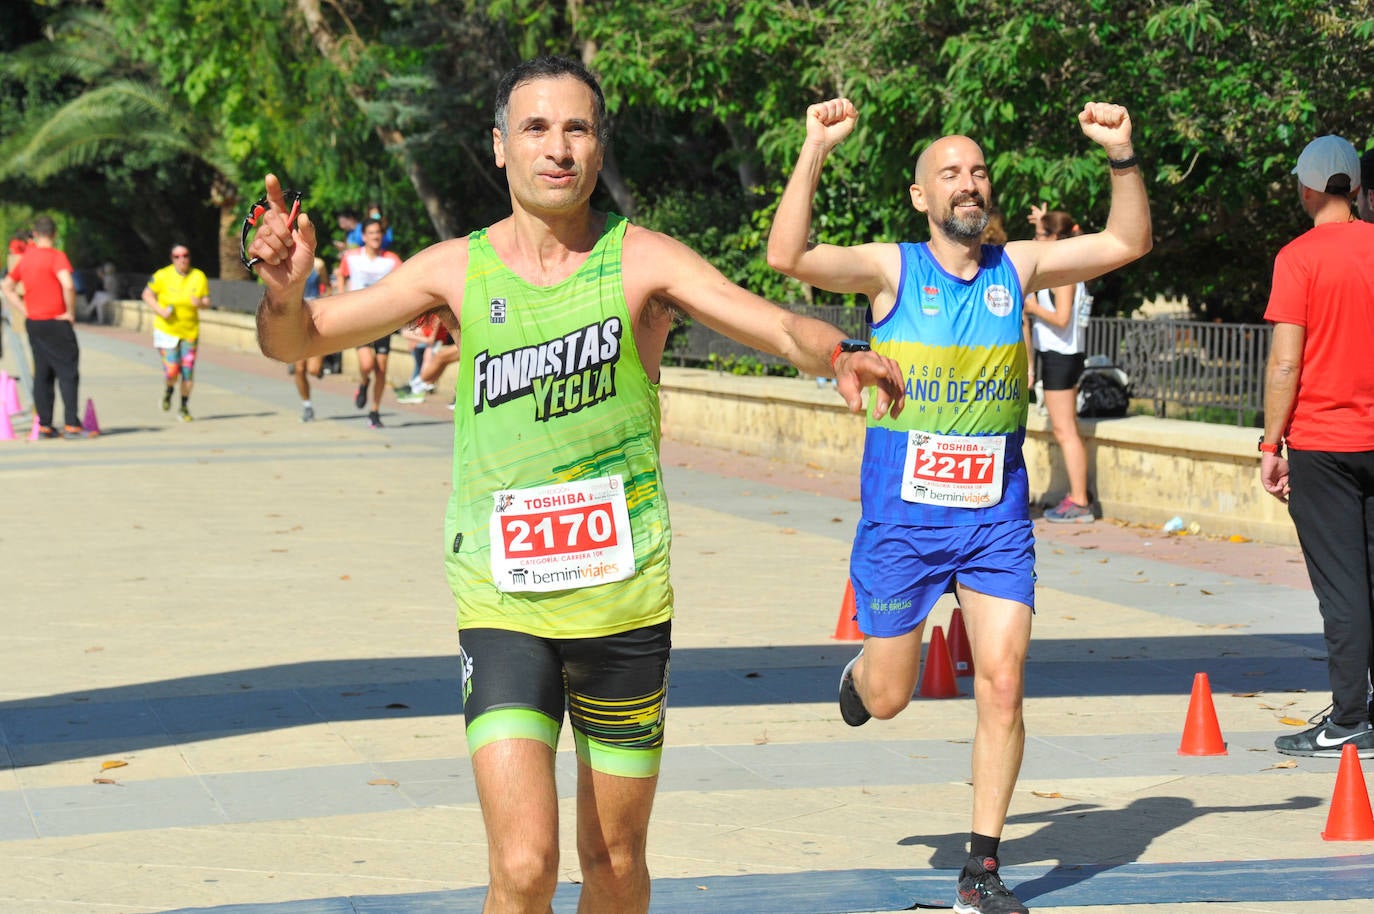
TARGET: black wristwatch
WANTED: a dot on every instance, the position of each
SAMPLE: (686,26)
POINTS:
(847,346)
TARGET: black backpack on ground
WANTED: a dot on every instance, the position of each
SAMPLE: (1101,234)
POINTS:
(1102,394)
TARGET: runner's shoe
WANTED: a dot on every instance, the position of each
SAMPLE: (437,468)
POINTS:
(307,414)
(75,431)
(45,431)
(852,708)
(360,398)
(374,419)
(167,399)
(184,414)
(1326,740)
(406,395)
(1070,512)
(981,890)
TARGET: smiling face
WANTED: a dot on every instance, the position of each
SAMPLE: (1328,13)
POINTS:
(952,187)
(551,151)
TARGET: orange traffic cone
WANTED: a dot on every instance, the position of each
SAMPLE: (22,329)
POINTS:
(937,678)
(847,628)
(1351,818)
(1201,732)
(89,423)
(33,432)
(960,652)
(6,426)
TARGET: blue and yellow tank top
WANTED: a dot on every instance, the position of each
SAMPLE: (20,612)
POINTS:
(961,348)
(558,523)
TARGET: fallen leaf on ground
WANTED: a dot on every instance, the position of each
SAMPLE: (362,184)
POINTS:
(1237,538)
(383,782)
(103,781)
(113,763)
(1288,764)
(1048,794)
(1292,721)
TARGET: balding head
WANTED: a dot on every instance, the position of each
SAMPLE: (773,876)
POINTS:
(952,187)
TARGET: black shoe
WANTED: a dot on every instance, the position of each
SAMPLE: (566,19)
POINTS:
(981,890)
(1326,740)
(374,419)
(852,708)
(360,398)
(167,399)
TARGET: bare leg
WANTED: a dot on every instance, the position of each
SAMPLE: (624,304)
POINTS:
(886,674)
(380,371)
(1062,406)
(612,833)
(515,783)
(999,635)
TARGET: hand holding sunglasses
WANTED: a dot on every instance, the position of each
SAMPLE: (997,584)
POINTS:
(269,239)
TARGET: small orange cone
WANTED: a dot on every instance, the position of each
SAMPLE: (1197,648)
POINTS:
(89,423)
(847,628)
(1351,818)
(960,652)
(937,679)
(6,426)
(1201,732)
(33,432)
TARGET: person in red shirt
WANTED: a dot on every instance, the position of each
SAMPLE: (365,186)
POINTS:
(1319,400)
(48,304)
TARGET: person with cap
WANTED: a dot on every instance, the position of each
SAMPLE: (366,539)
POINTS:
(1319,405)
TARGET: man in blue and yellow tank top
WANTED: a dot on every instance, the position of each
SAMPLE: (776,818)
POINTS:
(557,534)
(944,491)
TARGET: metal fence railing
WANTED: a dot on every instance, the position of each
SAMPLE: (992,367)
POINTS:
(1174,364)
(1188,365)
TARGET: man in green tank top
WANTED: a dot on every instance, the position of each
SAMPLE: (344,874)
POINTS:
(557,531)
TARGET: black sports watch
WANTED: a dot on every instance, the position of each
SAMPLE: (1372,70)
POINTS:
(847,346)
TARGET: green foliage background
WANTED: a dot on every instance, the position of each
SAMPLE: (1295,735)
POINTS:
(707,98)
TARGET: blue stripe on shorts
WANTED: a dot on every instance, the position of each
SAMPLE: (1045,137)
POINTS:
(900,572)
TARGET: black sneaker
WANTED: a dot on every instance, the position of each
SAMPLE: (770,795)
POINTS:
(981,890)
(167,399)
(360,398)
(374,419)
(852,708)
(1326,740)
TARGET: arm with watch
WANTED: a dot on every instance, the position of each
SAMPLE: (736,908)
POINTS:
(1280,393)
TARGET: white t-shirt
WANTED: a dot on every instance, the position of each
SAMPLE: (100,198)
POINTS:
(1069,339)
(361,271)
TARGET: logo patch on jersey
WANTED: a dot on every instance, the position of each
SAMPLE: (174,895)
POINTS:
(930,300)
(562,376)
(498,310)
(998,300)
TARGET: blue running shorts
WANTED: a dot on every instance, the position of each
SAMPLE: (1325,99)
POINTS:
(900,572)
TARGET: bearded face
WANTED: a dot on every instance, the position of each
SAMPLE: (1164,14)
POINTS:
(967,216)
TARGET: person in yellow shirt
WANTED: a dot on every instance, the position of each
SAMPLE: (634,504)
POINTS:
(176,293)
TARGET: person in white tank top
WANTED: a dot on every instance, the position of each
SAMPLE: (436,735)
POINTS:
(1057,322)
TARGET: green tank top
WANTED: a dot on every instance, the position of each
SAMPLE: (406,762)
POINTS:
(556,455)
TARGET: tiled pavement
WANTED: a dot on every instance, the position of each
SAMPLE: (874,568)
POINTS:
(230,686)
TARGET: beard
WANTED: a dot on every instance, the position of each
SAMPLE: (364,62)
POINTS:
(965,228)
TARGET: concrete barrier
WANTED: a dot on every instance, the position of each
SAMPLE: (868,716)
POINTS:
(1142,469)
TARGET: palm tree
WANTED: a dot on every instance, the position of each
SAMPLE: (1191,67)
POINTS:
(121,110)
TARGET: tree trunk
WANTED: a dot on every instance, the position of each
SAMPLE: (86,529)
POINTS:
(611,177)
(329,47)
(226,198)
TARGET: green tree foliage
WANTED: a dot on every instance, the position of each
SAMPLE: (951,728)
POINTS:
(390,100)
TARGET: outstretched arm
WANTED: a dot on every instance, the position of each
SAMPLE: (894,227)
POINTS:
(790,250)
(290,329)
(1127,235)
(673,271)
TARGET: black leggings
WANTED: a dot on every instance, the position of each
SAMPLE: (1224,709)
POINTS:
(56,357)
(1332,506)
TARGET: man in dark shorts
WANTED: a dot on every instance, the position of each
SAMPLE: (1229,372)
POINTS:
(557,532)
